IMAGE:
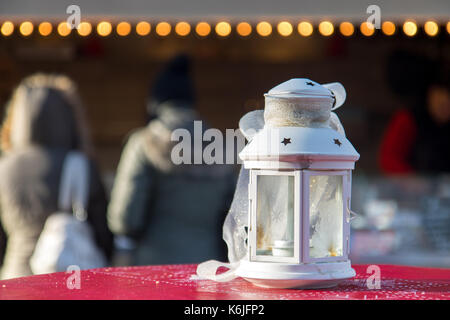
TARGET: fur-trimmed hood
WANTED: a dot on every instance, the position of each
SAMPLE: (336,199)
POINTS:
(158,144)
(45,111)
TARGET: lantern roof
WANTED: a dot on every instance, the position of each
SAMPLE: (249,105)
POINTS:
(299,87)
(294,144)
(306,88)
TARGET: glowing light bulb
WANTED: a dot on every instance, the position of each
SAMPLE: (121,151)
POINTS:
(182,28)
(388,28)
(143,28)
(326,28)
(7,28)
(163,29)
(305,29)
(123,29)
(203,29)
(410,28)
(244,29)
(26,28)
(64,29)
(104,28)
(285,28)
(45,28)
(223,29)
(431,28)
(264,28)
(346,29)
(367,29)
(84,29)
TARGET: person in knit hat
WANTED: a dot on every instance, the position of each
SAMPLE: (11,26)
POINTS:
(171,212)
(174,83)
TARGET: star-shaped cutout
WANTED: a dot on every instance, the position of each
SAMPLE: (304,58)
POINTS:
(286,141)
(309,83)
(336,141)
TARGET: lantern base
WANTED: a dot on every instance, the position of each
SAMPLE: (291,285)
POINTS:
(295,276)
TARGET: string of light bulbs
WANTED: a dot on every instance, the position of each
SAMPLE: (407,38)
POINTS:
(221,28)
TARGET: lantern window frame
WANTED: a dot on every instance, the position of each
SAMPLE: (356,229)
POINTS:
(346,199)
(301,214)
(254,173)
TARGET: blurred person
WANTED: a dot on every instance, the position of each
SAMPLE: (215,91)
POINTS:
(2,245)
(417,139)
(173,213)
(44,121)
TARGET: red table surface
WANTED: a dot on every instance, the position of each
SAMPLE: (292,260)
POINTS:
(179,282)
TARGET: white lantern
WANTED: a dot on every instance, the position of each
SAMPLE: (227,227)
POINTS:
(300,165)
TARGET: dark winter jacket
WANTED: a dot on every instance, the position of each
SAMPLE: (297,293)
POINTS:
(174,212)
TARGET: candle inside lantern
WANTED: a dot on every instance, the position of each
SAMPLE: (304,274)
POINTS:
(275,215)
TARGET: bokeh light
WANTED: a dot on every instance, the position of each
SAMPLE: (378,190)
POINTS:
(64,29)
(163,29)
(123,28)
(45,28)
(143,28)
(26,28)
(7,28)
(346,28)
(244,29)
(431,28)
(305,29)
(264,28)
(285,28)
(182,28)
(84,29)
(367,29)
(410,28)
(326,28)
(223,29)
(203,29)
(104,28)
(388,28)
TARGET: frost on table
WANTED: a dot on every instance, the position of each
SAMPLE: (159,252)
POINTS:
(275,215)
(326,216)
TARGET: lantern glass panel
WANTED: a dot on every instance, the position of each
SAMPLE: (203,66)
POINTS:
(326,210)
(275,216)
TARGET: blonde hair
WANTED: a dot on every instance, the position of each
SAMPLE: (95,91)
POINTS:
(68,90)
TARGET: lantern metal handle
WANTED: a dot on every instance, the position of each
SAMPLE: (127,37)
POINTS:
(338,92)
